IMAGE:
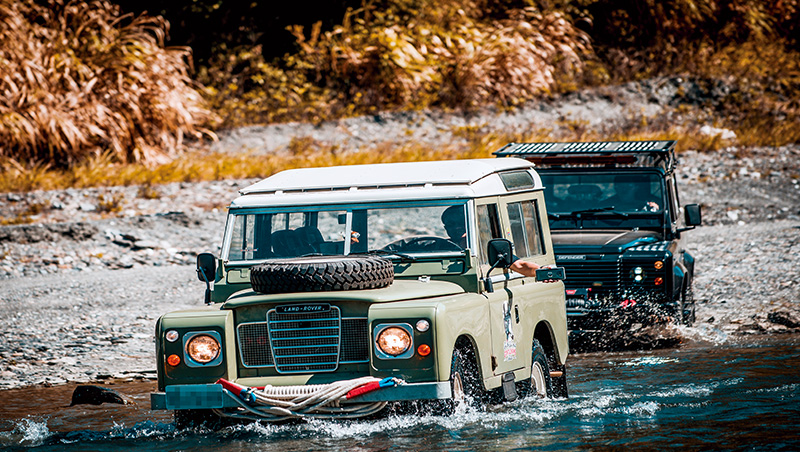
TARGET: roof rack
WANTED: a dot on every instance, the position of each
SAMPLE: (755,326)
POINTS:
(595,153)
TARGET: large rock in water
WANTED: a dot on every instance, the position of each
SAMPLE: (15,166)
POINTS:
(95,395)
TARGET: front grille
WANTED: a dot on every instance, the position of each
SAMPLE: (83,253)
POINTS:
(602,276)
(254,344)
(355,341)
(304,342)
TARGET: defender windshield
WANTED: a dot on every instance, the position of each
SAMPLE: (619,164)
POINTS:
(285,233)
(602,199)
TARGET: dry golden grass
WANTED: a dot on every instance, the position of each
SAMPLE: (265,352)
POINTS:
(79,78)
(203,166)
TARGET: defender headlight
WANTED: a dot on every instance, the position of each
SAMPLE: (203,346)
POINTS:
(203,348)
(394,341)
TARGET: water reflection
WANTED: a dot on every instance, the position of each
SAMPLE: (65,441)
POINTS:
(732,397)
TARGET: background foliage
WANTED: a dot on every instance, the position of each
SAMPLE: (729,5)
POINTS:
(102,82)
(80,78)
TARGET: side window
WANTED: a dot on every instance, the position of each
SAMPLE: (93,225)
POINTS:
(517,229)
(533,228)
(526,231)
(488,228)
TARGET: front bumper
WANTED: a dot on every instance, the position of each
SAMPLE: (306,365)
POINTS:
(214,396)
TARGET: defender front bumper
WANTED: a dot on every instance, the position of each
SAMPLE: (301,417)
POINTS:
(214,396)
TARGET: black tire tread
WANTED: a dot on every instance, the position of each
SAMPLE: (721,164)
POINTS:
(321,274)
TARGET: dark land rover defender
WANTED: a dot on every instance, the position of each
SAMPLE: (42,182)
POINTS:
(616,225)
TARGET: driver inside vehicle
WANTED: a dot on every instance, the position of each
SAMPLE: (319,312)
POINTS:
(632,194)
(454,220)
(455,224)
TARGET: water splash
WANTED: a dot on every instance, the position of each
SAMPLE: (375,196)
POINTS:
(650,361)
(28,432)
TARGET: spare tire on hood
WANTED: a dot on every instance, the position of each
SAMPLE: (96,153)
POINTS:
(321,273)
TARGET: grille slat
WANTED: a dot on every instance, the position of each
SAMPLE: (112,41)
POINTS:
(602,276)
(288,326)
(304,342)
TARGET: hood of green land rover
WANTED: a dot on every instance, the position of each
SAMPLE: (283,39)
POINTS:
(399,290)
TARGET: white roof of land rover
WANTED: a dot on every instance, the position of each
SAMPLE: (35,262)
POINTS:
(384,182)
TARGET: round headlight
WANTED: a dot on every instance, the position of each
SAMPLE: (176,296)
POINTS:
(203,348)
(394,341)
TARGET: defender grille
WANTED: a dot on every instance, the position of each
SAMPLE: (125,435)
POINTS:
(254,344)
(304,342)
(603,277)
(355,341)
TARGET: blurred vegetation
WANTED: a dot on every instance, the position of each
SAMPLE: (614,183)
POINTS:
(80,79)
(103,93)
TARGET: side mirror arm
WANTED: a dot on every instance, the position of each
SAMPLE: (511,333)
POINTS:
(201,272)
(487,282)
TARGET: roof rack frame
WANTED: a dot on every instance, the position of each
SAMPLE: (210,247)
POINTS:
(595,153)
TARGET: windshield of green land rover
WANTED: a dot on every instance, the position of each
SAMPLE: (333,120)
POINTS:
(577,199)
(406,230)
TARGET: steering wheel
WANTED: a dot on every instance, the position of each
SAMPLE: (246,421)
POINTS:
(422,244)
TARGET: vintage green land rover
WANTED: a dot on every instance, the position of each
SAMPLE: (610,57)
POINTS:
(340,291)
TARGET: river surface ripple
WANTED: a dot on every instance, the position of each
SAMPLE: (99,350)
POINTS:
(694,397)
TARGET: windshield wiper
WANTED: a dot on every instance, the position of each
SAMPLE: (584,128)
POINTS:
(403,256)
(607,209)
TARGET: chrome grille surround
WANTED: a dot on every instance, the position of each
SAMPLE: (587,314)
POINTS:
(304,342)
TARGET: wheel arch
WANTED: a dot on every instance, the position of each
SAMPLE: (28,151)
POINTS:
(546,337)
(466,344)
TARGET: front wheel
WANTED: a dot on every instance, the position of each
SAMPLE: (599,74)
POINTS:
(540,384)
(465,382)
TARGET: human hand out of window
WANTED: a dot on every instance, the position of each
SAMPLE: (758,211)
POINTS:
(526,268)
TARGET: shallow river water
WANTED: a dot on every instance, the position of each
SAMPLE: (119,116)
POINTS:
(696,396)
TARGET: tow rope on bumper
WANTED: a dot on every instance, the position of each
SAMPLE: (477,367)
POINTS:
(278,403)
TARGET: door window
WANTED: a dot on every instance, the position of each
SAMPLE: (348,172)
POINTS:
(526,230)
(488,228)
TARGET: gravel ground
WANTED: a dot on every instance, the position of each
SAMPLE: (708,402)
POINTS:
(83,285)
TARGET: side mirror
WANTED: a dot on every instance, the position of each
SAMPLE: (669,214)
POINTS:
(692,215)
(206,267)
(206,271)
(500,255)
(499,251)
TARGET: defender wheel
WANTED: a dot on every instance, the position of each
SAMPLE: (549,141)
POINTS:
(464,382)
(540,383)
(321,273)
